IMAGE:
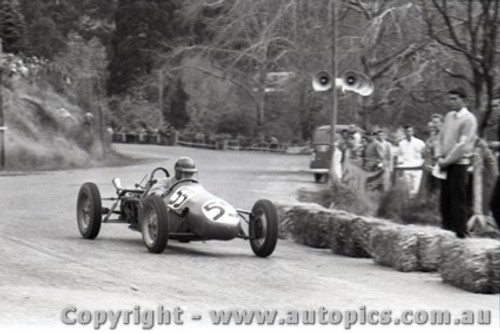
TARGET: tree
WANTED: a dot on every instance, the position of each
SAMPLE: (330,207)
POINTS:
(250,42)
(142,30)
(83,66)
(45,40)
(177,114)
(247,41)
(469,30)
(12,27)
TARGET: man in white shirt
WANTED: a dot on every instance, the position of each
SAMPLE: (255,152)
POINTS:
(353,131)
(410,151)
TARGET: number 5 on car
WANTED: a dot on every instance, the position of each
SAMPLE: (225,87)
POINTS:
(220,211)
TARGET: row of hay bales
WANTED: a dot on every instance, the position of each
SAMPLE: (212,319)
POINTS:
(471,264)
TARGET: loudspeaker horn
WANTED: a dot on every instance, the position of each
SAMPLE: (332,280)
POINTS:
(350,80)
(322,81)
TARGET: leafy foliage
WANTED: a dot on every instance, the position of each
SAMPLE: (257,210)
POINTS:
(46,40)
(177,114)
(12,27)
(141,29)
(413,51)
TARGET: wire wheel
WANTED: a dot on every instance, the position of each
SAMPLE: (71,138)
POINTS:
(155,224)
(263,228)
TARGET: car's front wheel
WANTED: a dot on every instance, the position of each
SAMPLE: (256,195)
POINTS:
(155,224)
(263,228)
(89,211)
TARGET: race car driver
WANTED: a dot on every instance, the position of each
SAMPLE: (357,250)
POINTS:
(184,168)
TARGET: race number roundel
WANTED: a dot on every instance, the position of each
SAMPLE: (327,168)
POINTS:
(180,197)
(219,211)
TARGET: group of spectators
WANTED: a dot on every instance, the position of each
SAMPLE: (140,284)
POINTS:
(168,135)
(372,151)
(443,164)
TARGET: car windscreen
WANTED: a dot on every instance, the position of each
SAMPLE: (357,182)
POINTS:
(322,136)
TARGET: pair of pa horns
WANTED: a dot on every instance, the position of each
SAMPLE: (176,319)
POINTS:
(350,80)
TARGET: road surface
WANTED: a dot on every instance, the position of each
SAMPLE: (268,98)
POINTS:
(46,266)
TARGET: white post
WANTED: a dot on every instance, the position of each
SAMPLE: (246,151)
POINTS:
(333,32)
(2,122)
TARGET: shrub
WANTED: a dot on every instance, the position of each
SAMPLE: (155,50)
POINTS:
(342,197)
(397,205)
(394,202)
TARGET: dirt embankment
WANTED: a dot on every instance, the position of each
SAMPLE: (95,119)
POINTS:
(47,131)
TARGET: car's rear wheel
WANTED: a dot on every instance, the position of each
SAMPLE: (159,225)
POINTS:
(263,228)
(89,211)
(155,224)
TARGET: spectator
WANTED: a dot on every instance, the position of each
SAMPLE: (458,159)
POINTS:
(273,142)
(454,151)
(410,151)
(373,153)
(387,161)
(343,143)
(430,183)
(337,160)
(358,150)
(354,133)
(495,146)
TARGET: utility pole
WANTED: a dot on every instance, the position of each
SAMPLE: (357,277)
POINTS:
(102,130)
(160,96)
(2,122)
(333,33)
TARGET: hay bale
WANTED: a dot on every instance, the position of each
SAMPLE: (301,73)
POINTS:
(394,246)
(297,220)
(471,264)
(318,229)
(361,230)
(338,232)
(284,229)
(493,255)
(429,245)
(348,236)
(282,209)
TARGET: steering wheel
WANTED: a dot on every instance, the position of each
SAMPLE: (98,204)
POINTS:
(159,169)
(152,179)
(185,180)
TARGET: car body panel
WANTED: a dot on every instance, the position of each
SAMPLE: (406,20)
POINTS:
(194,209)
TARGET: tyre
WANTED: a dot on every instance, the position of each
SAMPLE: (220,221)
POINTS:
(155,224)
(89,211)
(263,228)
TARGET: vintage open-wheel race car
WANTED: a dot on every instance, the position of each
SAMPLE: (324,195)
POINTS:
(185,212)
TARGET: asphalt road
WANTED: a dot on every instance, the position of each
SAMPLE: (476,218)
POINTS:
(46,266)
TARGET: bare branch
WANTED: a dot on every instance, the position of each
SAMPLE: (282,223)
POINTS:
(456,75)
(222,77)
(449,24)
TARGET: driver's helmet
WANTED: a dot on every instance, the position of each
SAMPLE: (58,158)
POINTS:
(185,168)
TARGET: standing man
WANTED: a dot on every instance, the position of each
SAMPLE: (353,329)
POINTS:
(495,146)
(454,150)
(432,183)
(410,155)
(387,158)
(374,153)
(354,133)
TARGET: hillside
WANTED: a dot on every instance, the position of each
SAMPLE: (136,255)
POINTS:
(47,131)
